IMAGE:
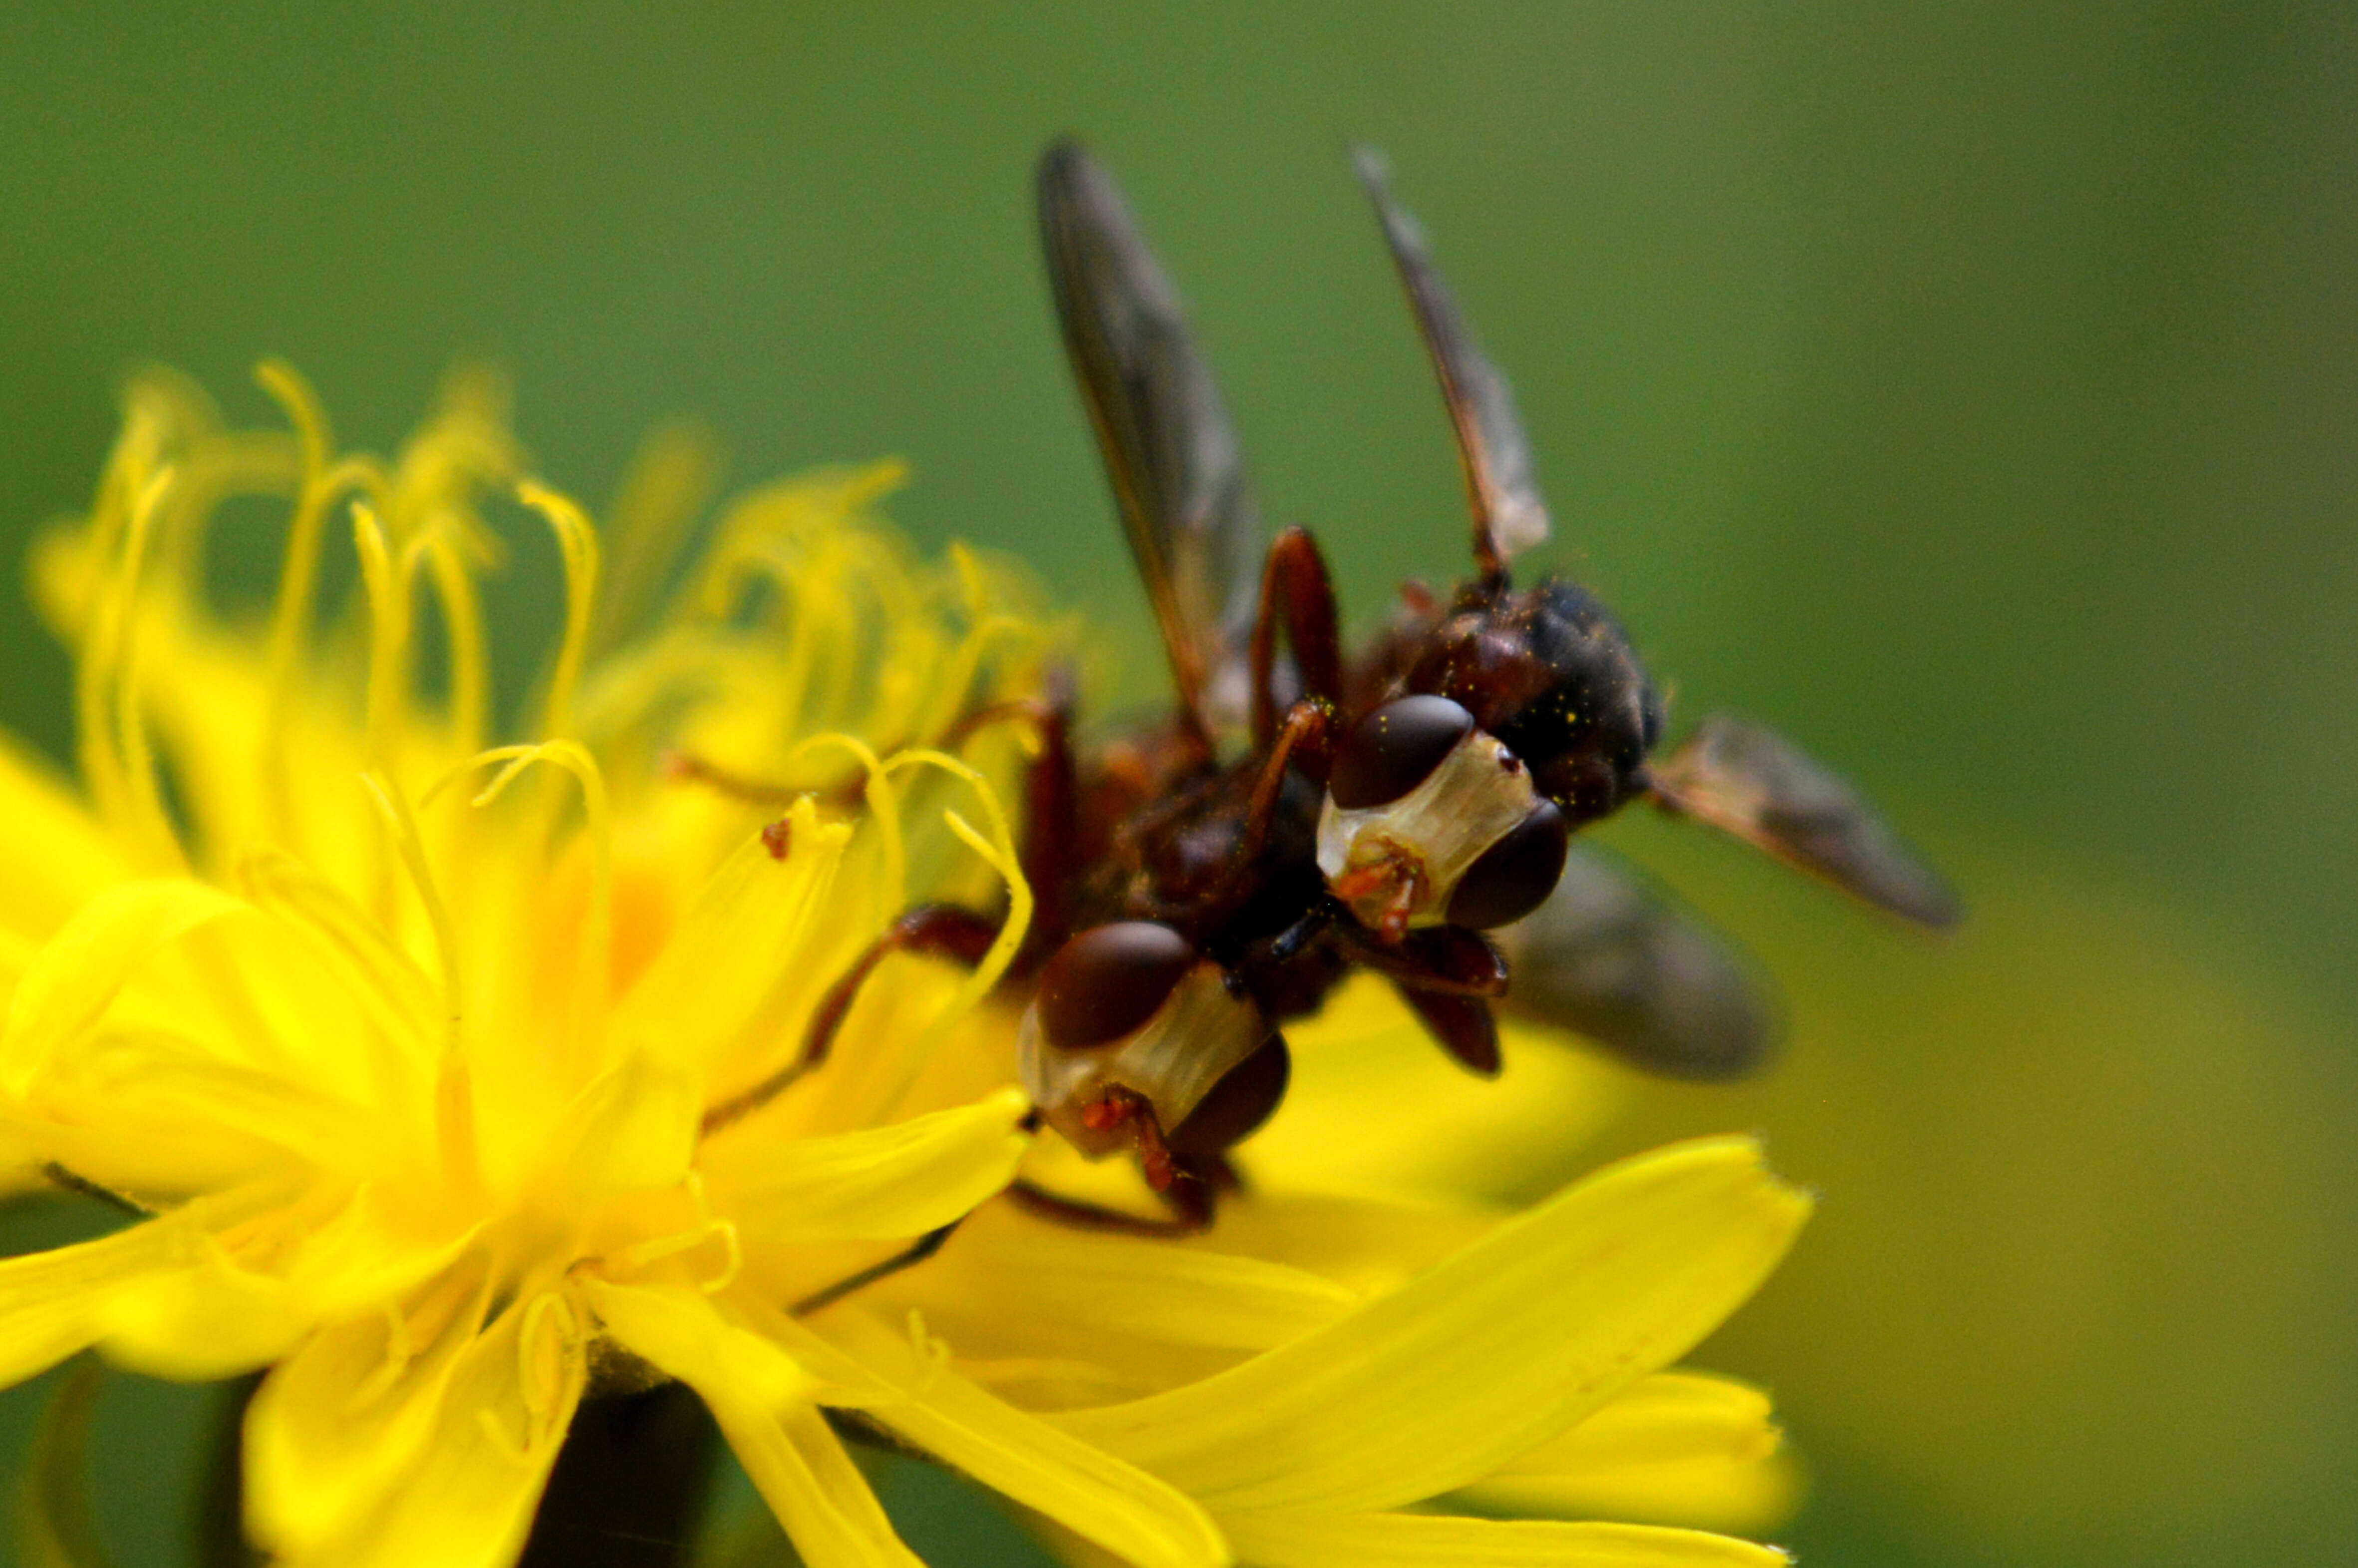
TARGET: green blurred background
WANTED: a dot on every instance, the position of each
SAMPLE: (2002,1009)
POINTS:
(1970,389)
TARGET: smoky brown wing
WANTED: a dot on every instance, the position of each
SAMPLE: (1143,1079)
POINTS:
(1607,958)
(1510,516)
(1176,468)
(1764,789)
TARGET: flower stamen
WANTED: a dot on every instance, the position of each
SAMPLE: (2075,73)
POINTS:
(577,540)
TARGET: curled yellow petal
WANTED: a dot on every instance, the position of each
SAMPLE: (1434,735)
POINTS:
(1482,1357)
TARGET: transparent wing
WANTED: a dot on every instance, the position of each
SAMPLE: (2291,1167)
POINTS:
(1607,958)
(1177,471)
(1767,790)
(1508,515)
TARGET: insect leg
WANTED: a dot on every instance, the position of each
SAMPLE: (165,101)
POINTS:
(1295,586)
(1445,959)
(916,1252)
(931,930)
(851,792)
(688,768)
(1305,739)
(1447,975)
(1051,855)
(1462,1024)
(1183,1182)
(1190,1200)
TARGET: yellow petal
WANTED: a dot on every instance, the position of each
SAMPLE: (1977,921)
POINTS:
(761,1397)
(1051,1318)
(69,986)
(1366,1245)
(1137,1518)
(467,1499)
(799,1467)
(400,997)
(1376,1108)
(1675,1448)
(1747,1498)
(683,1334)
(1482,1357)
(339,1425)
(1435,1541)
(881,1183)
(59,855)
(219,1286)
(208,1320)
(632,1130)
(717,998)
(50,1301)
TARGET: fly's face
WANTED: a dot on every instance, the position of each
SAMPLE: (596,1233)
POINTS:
(1430,819)
(1131,1018)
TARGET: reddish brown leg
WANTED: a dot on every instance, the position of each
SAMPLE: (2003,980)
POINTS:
(852,792)
(1295,587)
(847,796)
(1051,855)
(932,930)
(1190,1200)
(1183,1182)
(1449,959)
(916,1252)
(1304,741)
(1462,1024)
(1446,974)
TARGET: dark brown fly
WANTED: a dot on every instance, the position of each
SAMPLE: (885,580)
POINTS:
(1301,814)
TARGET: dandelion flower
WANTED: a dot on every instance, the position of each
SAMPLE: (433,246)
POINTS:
(434,1070)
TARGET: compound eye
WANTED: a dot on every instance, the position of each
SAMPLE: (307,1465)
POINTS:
(1395,748)
(1513,876)
(1237,1104)
(1104,983)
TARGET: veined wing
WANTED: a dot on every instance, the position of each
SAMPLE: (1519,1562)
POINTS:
(1761,787)
(1607,958)
(1509,518)
(1171,455)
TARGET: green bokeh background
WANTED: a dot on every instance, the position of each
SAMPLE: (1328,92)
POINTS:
(1970,389)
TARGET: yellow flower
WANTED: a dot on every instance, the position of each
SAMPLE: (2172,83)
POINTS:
(409,1050)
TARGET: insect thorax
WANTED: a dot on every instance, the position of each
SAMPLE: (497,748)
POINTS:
(1549,671)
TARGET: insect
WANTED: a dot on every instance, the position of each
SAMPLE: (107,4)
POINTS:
(1302,814)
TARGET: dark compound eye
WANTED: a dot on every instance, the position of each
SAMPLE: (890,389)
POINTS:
(1237,1104)
(1102,984)
(1513,876)
(1395,748)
